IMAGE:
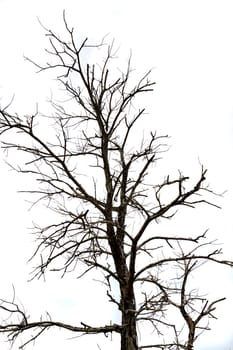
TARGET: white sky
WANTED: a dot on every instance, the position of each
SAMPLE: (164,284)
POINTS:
(190,46)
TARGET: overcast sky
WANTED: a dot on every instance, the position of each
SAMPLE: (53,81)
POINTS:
(189,45)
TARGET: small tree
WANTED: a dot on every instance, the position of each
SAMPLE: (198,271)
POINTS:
(108,220)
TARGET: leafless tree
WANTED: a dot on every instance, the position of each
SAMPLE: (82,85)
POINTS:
(108,220)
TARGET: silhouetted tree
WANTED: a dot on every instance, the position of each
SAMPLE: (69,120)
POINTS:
(108,220)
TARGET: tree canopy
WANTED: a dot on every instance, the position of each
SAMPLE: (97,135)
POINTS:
(97,170)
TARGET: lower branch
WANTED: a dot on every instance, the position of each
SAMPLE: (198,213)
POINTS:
(14,330)
(47,324)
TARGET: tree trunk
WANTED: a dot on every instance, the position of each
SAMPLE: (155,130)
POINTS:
(129,330)
(129,333)
(191,336)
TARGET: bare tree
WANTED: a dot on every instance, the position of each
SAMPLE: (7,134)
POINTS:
(109,219)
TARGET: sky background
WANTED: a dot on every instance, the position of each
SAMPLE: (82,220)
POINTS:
(189,45)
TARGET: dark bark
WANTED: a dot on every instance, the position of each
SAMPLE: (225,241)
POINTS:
(129,339)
